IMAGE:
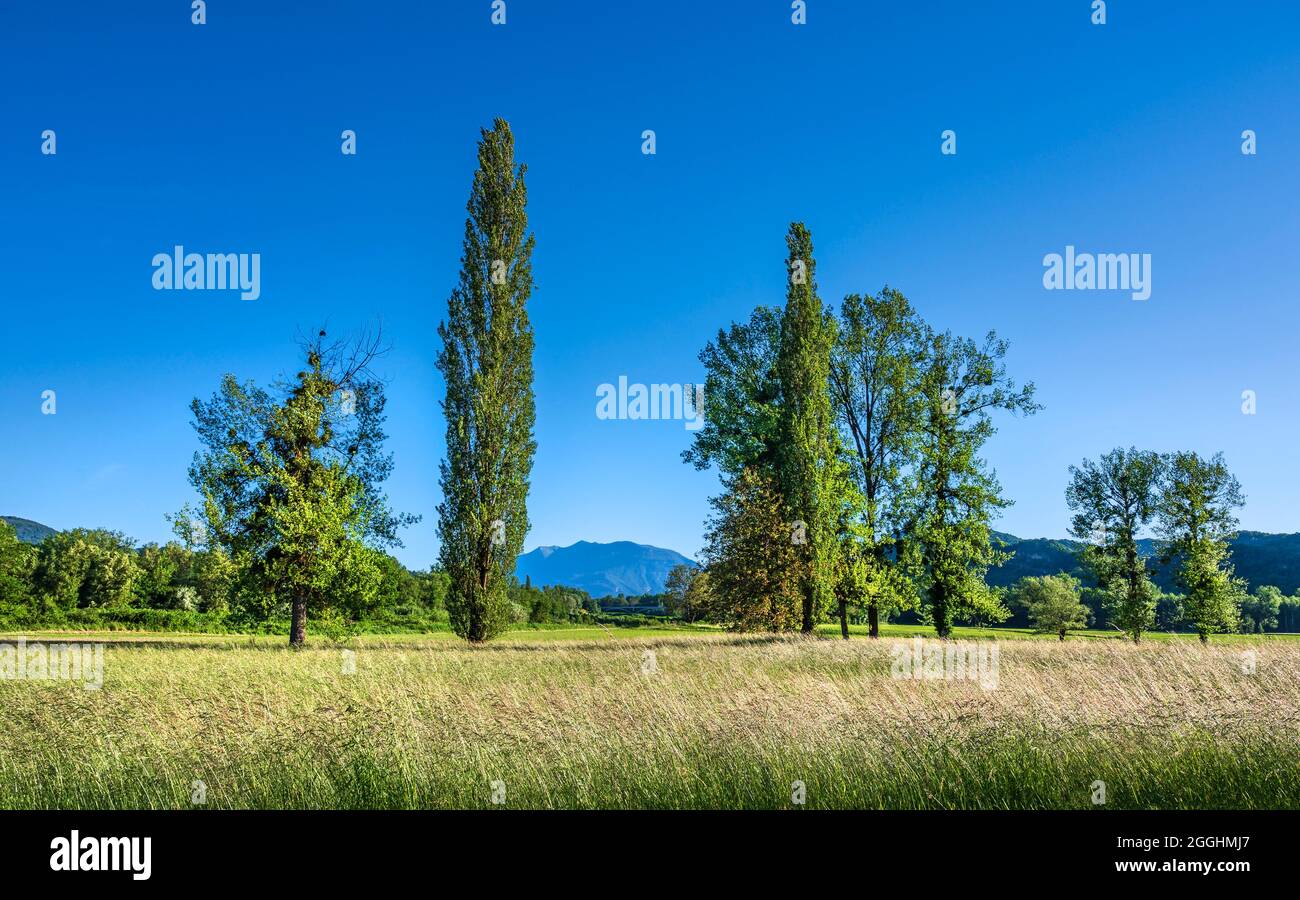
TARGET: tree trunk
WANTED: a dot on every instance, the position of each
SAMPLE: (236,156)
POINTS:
(298,630)
(939,611)
(1062,634)
(873,619)
(808,609)
(844,619)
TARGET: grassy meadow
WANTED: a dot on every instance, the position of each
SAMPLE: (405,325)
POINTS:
(582,718)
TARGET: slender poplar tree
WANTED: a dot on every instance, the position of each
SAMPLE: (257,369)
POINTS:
(810,474)
(487,365)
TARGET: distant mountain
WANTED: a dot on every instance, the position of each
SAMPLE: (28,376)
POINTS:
(1260,558)
(28,531)
(602,570)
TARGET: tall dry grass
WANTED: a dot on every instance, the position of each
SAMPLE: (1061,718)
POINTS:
(723,722)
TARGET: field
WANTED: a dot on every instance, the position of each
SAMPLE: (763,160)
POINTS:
(655,718)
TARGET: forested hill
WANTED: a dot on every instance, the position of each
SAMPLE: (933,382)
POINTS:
(1260,558)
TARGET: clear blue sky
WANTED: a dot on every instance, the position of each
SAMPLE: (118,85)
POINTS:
(225,138)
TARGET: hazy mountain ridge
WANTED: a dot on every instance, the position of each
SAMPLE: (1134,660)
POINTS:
(602,570)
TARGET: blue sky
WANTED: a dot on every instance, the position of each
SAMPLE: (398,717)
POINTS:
(225,138)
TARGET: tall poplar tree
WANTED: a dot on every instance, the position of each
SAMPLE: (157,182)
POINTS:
(487,365)
(809,471)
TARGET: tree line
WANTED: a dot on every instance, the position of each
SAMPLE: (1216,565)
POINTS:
(99,578)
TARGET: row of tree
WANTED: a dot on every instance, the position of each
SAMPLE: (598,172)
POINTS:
(95,570)
(849,445)
(1191,503)
(1055,604)
(103,572)
(849,448)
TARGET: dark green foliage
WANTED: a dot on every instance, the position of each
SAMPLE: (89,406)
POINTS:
(16,562)
(487,365)
(552,605)
(84,568)
(1261,609)
(1169,611)
(1053,603)
(686,594)
(755,573)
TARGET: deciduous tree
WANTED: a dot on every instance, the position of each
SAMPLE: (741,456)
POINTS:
(1113,498)
(955,495)
(879,352)
(291,482)
(1196,512)
(1053,602)
(754,572)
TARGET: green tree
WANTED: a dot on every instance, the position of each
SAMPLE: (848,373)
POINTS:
(1113,498)
(875,369)
(292,486)
(954,495)
(17,560)
(434,585)
(1196,515)
(753,569)
(1169,610)
(398,587)
(677,591)
(85,568)
(809,472)
(742,397)
(163,569)
(487,366)
(1260,609)
(214,576)
(1288,615)
(1053,603)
